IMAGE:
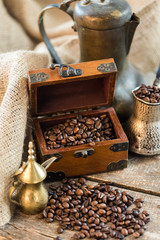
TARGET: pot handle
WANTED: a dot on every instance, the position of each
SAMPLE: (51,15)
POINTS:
(12,189)
(64,6)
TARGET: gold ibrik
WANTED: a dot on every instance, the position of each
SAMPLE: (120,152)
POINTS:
(28,190)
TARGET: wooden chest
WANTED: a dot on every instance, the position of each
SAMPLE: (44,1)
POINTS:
(63,93)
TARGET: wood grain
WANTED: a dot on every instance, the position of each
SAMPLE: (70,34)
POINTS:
(142,174)
(72,166)
(31,228)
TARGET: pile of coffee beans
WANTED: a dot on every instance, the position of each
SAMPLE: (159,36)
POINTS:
(148,93)
(79,130)
(95,211)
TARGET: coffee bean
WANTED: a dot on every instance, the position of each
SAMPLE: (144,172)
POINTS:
(138,204)
(141,231)
(50,215)
(112,233)
(49,220)
(145,213)
(88,209)
(60,230)
(136,234)
(130,231)
(97,221)
(98,234)
(79,192)
(124,231)
(86,233)
(124,199)
(139,200)
(79,131)
(82,180)
(58,238)
(119,235)
(94,203)
(148,93)
(136,212)
(102,205)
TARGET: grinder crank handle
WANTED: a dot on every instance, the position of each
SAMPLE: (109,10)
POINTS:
(64,6)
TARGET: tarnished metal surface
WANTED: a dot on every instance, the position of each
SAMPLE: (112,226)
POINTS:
(143,128)
(66,70)
(107,67)
(38,77)
(102,15)
(84,153)
(118,147)
(117,165)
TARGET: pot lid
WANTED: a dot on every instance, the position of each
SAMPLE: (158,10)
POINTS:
(102,14)
(51,93)
(33,172)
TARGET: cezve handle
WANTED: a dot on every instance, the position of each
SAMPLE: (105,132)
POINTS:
(11,193)
(64,6)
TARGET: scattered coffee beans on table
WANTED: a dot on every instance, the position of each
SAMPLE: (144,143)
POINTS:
(79,130)
(94,211)
(148,93)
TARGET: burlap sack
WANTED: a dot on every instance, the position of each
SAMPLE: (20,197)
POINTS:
(12,34)
(13,117)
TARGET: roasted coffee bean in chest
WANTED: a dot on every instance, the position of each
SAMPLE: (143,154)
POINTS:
(79,130)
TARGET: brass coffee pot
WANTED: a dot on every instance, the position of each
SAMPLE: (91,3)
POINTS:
(28,191)
(105,29)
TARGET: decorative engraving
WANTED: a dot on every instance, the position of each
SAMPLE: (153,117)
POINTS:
(107,67)
(118,147)
(117,165)
(38,77)
(54,176)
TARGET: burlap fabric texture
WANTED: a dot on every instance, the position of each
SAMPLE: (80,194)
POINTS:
(19,30)
(13,117)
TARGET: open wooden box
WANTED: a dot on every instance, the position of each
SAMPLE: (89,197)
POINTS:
(87,91)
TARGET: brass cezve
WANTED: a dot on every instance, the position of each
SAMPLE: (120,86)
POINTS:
(28,191)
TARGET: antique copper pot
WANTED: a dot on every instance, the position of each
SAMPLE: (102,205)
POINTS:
(105,29)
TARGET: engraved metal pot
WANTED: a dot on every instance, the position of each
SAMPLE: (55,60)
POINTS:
(143,127)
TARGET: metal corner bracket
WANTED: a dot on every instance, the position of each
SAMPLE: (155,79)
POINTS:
(117,165)
(38,77)
(107,67)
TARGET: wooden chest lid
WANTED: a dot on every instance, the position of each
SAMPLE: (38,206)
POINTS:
(51,93)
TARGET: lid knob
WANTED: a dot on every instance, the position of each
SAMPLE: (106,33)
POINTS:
(33,172)
(31,156)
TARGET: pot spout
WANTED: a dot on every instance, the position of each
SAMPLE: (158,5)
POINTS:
(48,162)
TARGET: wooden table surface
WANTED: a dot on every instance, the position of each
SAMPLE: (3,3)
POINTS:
(141,179)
